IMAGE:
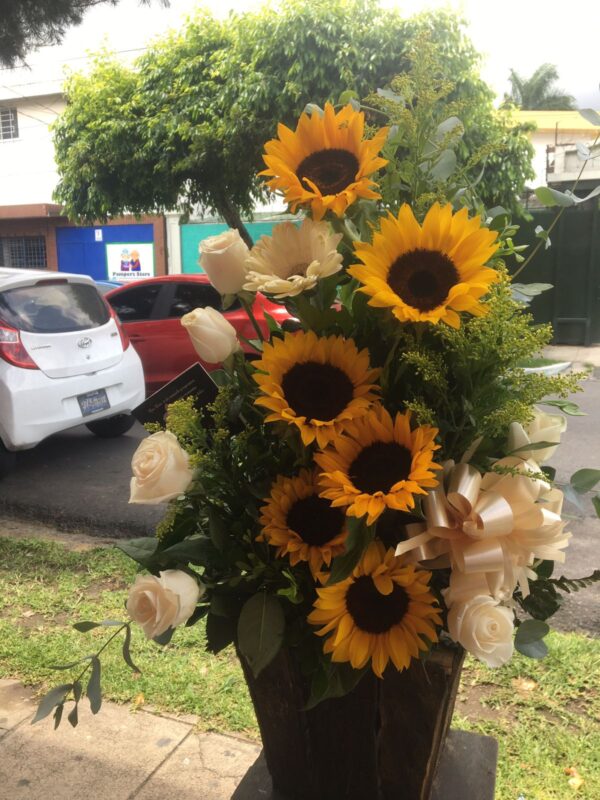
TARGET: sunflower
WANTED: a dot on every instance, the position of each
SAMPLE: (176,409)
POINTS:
(428,273)
(293,259)
(317,384)
(380,463)
(325,162)
(301,524)
(380,612)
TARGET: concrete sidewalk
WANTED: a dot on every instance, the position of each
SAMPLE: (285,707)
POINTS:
(117,755)
(577,355)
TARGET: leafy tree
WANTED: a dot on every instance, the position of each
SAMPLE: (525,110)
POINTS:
(28,24)
(187,124)
(539,92)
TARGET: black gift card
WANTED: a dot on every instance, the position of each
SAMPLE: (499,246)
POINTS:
(194,381)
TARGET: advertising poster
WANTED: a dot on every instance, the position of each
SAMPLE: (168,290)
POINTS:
(129,262)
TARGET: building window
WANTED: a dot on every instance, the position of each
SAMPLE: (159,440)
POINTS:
(23,251)
(9,126)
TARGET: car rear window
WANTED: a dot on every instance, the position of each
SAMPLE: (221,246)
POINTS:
(53,307)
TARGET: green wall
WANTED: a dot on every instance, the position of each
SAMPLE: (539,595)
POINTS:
(192,235)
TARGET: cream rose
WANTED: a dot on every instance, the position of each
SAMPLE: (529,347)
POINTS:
(158,604)
(222,257)
(160,470)
(542,428)
(484,628)
(212,336)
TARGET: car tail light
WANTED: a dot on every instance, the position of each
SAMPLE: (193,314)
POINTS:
(12,350)
(124,338)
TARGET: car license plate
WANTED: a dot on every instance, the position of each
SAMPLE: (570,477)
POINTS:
(91,402)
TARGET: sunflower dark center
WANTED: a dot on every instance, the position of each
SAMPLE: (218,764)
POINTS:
(315,521)
(379,466)
(331,170)
(372,611)
(391,526)
(317,391)
(423,278)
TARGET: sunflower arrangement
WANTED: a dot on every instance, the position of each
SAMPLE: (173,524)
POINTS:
(372,480)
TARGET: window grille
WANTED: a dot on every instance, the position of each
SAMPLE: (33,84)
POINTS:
(23,251)
(9,125)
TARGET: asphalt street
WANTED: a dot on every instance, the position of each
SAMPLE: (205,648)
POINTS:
(76,481)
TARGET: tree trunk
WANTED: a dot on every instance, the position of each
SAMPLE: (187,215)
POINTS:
(382,741)
(232,217)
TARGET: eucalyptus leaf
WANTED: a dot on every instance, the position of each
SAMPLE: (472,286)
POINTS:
(83,627)
(591,115)
(444,166)
(126,653)
(584,480)
(220,632)
(73,716)
(532,446)
(58,714)
(531,630)
(164,638)
(596,504)
(537,649)
(94,691)
(218,531)
(566,406)
(260,631)
(54,697)
(552,197)
(388,94)
(447,126)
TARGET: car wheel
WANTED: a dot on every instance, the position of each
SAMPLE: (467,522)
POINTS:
(8,461)
(111,426)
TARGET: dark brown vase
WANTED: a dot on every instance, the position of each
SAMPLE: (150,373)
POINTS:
(382,741)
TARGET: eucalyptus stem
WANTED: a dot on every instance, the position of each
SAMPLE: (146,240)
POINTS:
(104,646)
(250,314)
(556,218)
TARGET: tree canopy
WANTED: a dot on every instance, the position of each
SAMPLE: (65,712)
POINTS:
(28,24)
(539,91)
(186,125)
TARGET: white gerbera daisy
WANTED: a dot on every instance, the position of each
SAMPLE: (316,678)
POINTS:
(292,259)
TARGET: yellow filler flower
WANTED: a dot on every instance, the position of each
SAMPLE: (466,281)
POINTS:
(325,162)
(428,273)
(380,463)
(380,612)
(301,524)
(317,384)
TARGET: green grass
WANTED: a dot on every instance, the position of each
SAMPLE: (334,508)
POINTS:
(545,714)
(538,362)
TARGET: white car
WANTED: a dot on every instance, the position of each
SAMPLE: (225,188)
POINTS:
(64,361)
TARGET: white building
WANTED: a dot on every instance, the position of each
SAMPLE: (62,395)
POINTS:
(555,141)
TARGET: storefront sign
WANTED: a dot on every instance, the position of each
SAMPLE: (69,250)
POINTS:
(129,262)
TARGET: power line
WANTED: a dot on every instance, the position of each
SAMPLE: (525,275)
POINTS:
(66,60)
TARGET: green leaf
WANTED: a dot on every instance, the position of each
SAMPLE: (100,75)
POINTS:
(58,714)
(552,197)
(73,716)
(532,446)
(194,550)
(584,480)
(93,690)
(388,94)
(164,638)
(218,530)
(537,649)
(531,630)
(359,537)
(126,653)
(596,503)
(576,584)
(444,166)
(140,550)
(54,697)
(346,96)
(260,630)
(566,406)
(82,627)
(591,115)
(271,323)
(336,680)
(528,639)
(220,632)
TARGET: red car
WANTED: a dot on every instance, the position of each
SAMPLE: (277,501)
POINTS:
(149,311)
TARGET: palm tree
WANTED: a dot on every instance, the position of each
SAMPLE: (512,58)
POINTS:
(538,92)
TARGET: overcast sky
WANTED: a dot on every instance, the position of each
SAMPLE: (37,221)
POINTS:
(521,34)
